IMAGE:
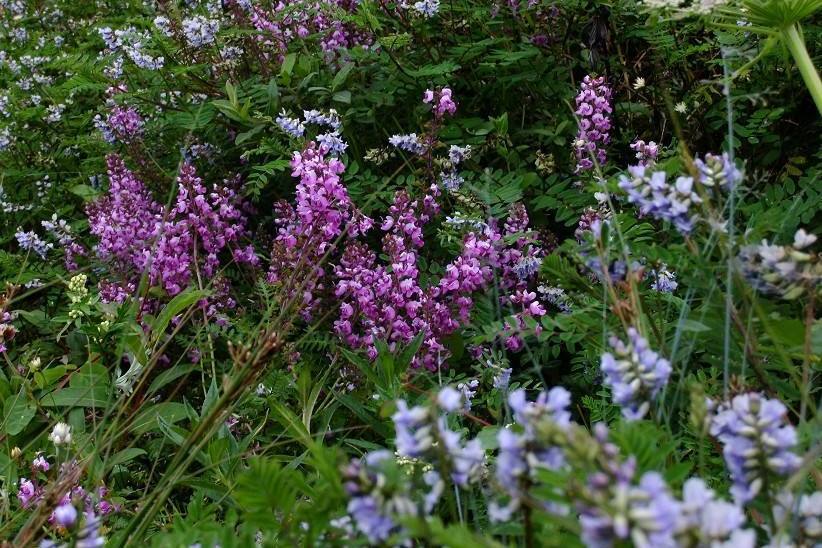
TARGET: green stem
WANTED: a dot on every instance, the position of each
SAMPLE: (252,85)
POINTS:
(796,45)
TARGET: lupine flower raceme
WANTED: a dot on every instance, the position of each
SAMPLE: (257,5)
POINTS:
(423,434)
(707,520)
(373,501)
(757,440)
(797,520)
(594,113)
(643,512)
(635,373)
(787,271)
(655,196)
(522,453)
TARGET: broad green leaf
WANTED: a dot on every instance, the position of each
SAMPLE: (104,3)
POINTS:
(126,455)
(78,396)
(169,375)
(17,413)
(177,305)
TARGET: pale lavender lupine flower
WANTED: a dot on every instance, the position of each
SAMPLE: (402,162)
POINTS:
(655,196)
(292,126)
(757,440)
(709,520)
(522,455)
(645,514)
(427,8)
(65,515)
(200,31)
(718,170)
(664,280)
(635,373)
(409,143)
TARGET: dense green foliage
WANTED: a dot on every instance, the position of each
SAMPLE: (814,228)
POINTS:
(233,409)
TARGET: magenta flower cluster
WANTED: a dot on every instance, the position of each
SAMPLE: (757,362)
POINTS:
(594,113)
(31,493)
(122,124)
(441,101)
(309,231)
(519,262)
(388,302)
(646,153)
(288,21)
(137,234)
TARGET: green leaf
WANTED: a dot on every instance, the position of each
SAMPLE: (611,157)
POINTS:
(211,397)
(341,76)
(48,377)
(288,67)
(90,374)
(267,493)
(147,419)
(231,91)
(126,455)
(446,67)
(693,325)
(176,434)
(78,396)
(407,354)
(17,413)
(86,192)
(364,414)
(169,375)
(37,318)
(177,305)
(246,135)
(342,97)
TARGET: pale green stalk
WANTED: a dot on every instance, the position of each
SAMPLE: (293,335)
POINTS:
(792,36)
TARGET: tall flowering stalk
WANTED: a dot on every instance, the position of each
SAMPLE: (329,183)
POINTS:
(309,230)
(785,270)
(519,262)
(644,512)
(422,433)
(707,520)
(594,113)
(371,505)
(655,196)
